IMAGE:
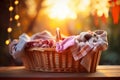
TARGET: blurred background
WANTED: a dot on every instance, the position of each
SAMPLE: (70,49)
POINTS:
(71,16)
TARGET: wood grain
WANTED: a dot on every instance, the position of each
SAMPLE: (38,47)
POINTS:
(20,72)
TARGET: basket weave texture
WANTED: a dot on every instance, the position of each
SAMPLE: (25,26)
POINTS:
(48,60)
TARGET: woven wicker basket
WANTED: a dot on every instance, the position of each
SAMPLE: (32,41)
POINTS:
(48,60)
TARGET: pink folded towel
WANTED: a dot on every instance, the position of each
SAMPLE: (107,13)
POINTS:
(84,43)
(66,43)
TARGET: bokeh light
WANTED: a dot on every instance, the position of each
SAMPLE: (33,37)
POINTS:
(9,30)
(7,42)
(16,17)
(11,8)
(16,2)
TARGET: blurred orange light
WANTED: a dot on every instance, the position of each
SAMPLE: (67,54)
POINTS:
(9,30)
(61,12)
(17,17)
(11,8)
(7,42)
(16,2)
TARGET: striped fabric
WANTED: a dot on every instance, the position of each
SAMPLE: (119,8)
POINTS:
(97,42)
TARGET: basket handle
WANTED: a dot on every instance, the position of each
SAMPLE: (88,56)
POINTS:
(58,34)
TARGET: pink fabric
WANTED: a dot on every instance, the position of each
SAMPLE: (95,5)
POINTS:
(83,46)
(42,35)
(40,43)
(66,43)
(42,39)
(84,43)
(97,42)
(82,51)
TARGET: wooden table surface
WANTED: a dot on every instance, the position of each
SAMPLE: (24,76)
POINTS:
(19,72)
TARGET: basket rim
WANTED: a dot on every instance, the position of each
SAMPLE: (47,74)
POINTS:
(41,49)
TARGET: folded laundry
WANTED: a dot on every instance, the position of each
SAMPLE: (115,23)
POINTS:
(81,44)
(42,35)
(63,45)
(40,43)
(98,41)
(12,48)
(84,43)
(42,39)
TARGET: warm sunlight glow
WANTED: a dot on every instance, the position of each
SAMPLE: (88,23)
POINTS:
(101,7)
(31,7)
(66,9)
(61,12)
(60,9)
(84,5)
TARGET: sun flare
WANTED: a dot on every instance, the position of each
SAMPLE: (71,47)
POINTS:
(61,12)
